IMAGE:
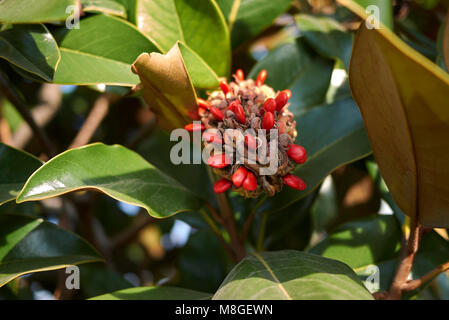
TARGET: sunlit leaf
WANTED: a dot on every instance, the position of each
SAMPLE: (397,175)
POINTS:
(204,31)
(114,170)
(383,8)
(32,48)
(403,98)
(167,87)
(154,293)
(35,11)
(32,245)
(291,275)
(110,7)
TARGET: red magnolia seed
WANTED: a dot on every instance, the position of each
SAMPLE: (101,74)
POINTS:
(225,87)
(239,176)
(294,182)
(268,121)
(194,127)
(251,142)
(281,100)
(250,182)
(288,92)
(261,77)
(212,138)
(217,113)
(269,105)
(239,113)
(297,153)
(218,161)
(233,104)
(201,111)
(222,185)
(240,75)
(203,104)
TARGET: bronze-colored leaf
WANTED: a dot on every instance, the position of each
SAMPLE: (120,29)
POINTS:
(167,87)
(404,101)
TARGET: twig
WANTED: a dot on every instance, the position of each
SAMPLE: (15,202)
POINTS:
(415,284)
(50,101)
(263,225)
(14,97)
(94,119)
(408,252)
(250,219)
(130,234)
(214,213)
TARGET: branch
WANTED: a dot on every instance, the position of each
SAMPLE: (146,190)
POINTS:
(250,219)
(408,252)
(415,284)
(15,98)
(94,119)
(130,234)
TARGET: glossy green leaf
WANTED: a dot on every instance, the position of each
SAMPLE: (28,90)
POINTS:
(32,48)
(229,9)
(254,16)
(34,11)
(32,245)
(16,167)
(154,293)
(156,150)
(96,52)
(333,135)
(384,9)
(114,170)
(403,98)
(110,7)
(291,275)
(297,67)
(326,36)
(167,87)
(204,31)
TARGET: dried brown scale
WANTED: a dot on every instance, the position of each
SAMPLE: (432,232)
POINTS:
(252,98)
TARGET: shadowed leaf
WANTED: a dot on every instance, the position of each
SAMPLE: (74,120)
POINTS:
(154,293)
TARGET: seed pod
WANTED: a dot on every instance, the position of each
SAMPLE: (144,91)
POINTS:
(281,100)
(233,104)
(240,75)
(268,121)
(194,127)
(294,182)
(239,113)
(201,111)
(250,182)
(250,141)
(218,161)
(216,113)
(239,176)
(297,153)
(211,137)
(261,77)
(203,104)
(269,105)
(222,185)
(225,87)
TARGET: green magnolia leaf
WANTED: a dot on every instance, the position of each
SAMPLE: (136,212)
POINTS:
(288,275)
(297,67)
(114,170)
(35,11)
(156,150)
(105,46)
(333,135)
(204,31)
(167,87)
(376,241)
(32,245)
(154,293)
(326,36)
(229,9)
(253,16)
(110,7)
(384,9)
(32,48)
(16,167)
(402,95)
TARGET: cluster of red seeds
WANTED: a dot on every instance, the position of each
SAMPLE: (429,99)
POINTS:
(248,104)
